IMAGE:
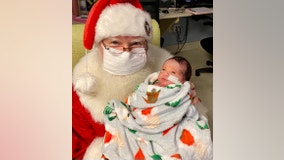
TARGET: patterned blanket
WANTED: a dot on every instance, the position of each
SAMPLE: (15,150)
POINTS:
(156,123)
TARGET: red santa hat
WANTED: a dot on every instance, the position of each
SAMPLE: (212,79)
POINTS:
(109,18)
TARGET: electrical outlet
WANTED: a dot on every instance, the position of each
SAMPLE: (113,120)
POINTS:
(176,28)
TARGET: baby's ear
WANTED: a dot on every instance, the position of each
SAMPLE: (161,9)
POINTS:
(85,83)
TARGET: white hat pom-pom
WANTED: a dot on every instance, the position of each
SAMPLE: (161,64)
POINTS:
(85,83)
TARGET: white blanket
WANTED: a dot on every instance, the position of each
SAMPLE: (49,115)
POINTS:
(156,123)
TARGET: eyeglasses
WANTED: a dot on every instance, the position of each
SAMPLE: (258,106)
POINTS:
(118,46)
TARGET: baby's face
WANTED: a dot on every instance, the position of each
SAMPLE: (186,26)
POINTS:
(173,68)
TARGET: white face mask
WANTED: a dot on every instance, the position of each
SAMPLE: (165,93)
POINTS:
(123,62)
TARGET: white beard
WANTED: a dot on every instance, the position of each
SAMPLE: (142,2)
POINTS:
(108,86)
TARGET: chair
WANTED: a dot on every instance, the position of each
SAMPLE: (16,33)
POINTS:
(207,45)
(152,7)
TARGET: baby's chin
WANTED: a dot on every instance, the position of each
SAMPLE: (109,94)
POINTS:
(165,83)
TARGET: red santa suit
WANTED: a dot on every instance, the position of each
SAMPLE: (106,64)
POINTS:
(93,86)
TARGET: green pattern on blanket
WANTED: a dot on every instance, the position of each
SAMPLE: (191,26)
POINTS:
(132,130)
(171,86)
(109,112)
(173,103)
(202,124)
(156,157)
(125,105)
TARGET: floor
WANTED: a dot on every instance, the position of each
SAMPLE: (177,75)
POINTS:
(203,83)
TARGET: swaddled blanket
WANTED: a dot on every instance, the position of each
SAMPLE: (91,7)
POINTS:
(156,123)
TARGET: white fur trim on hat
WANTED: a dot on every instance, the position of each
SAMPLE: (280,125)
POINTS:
(123,20)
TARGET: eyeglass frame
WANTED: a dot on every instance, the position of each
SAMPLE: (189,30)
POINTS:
(122,48)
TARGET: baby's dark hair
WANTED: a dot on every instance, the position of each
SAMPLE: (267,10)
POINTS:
(184,61)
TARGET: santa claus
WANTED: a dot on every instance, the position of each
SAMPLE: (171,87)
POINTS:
(117,36)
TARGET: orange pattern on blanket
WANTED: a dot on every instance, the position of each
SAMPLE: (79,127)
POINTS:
(104,157)
(167,130)
(186,137)
(147,111)
(139,155)
(177,156)
(126,101)
(152,96)
(108,137)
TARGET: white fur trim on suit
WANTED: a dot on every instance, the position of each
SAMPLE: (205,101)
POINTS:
(86,83)
(123,20)
(94,151)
